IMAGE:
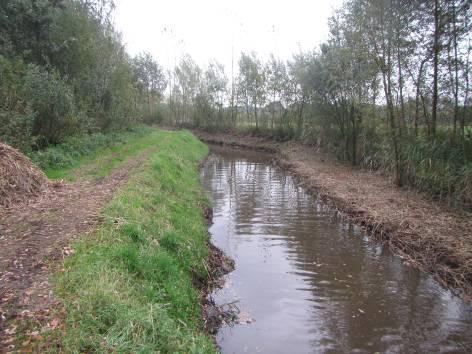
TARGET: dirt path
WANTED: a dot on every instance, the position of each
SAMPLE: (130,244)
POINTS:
(33,236)
(428,235)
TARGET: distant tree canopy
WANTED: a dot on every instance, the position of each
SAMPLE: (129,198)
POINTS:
(64,70)
(389,89)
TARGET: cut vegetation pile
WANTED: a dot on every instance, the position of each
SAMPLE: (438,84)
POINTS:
(20,179)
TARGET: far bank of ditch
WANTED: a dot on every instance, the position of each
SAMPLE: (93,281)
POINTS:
(428,235)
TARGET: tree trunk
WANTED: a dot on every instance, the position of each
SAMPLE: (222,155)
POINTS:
(352,115)
(400,84)
(435,68)
(387,83)
(255,116)
(418,94)
(300,117)
(466,97)
(456,68)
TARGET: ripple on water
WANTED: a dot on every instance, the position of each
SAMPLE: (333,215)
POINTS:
(313,283)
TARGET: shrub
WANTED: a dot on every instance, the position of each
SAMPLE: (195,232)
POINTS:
(53,101)
(16,118)
(74,147)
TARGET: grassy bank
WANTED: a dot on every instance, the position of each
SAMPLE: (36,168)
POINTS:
(107,150)
(129,285)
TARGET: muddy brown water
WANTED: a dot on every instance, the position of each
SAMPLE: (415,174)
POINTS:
(306,281)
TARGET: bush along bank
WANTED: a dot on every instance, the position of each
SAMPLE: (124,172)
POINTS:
(129,287)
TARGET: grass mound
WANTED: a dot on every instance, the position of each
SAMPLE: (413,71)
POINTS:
(20,179)
(129,287)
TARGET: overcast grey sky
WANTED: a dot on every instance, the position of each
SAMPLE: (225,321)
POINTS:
(208,29)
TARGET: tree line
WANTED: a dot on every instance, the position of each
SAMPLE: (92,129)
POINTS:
(389,89)
(64,71)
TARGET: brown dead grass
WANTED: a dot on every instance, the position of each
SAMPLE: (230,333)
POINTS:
(428,235)
(20,179)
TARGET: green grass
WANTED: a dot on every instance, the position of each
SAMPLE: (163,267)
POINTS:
(129,286)
(100,153)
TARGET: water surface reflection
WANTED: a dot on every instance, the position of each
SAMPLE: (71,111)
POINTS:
(313,283)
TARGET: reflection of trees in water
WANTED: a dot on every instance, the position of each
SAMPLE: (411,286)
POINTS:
(398,303)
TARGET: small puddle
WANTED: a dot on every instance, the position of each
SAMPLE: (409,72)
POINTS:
(307,282)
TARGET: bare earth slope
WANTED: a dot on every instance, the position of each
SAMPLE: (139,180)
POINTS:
(429,235)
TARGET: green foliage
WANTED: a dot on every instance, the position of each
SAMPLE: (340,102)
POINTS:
(64,71)
(442,168)
(149,75)
(151,84)
(389,89)
(25,27)
(37,107)
(72,152)
(16,117)
(129,288)
(52,101)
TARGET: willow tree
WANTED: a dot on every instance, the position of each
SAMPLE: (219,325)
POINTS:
(251,85)
(188,76)
(150,79)
(276,80)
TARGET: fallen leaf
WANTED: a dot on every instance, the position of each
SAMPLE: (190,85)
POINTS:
(11,330)
(244,318)
(54,323)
